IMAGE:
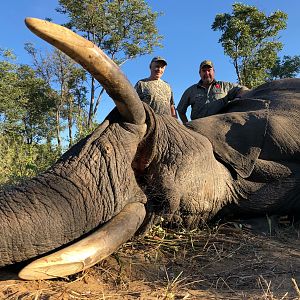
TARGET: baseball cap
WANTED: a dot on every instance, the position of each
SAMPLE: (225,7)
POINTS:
(158,58)
(207,63)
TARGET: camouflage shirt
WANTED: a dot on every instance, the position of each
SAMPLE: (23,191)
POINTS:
(207,101)
(157,93)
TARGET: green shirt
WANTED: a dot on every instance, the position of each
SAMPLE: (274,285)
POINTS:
(207,101)
(157,93)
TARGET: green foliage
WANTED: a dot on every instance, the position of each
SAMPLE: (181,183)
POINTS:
(83,130)
(288,67)
(20,160)
(26,103)
(26,120)
(249,38)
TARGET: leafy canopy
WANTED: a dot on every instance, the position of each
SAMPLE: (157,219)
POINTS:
(26,102)
(249,38)
(26,108)
(287,67)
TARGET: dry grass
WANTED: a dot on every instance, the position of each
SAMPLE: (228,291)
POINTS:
(220,263)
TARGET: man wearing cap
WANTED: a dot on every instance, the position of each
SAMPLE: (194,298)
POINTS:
(208,96)
(155,91)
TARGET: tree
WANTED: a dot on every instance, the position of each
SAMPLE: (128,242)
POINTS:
(20,160)
(26,106)
(249,38)
(67,79)
(25,121)
(288,67)
(123,29)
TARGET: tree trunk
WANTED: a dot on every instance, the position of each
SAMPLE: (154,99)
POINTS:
(91,110)
(58,129)
(70,121)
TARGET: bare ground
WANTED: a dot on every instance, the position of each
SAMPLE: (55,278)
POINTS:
(225,262)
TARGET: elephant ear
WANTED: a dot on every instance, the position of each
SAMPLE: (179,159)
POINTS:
(237,136)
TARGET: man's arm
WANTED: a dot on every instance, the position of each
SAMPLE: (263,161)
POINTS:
(172,106)
(183,117)
(137,87)
(182,106)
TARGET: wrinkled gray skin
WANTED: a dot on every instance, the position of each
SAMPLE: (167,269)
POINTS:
(243,161)
(173,168)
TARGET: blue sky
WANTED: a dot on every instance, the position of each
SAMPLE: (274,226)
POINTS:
(185,25)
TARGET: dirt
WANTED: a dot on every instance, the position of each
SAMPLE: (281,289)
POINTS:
(226,262)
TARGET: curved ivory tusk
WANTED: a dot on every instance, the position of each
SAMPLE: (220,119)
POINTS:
(90,250)
(97,63)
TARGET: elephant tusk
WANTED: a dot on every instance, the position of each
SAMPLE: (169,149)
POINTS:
(89,251)
(97,63)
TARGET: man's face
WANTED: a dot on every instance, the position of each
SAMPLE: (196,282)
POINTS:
(157,69)
(207,74)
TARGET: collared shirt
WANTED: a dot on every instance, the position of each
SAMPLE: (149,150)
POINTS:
(203,100)
(157,93)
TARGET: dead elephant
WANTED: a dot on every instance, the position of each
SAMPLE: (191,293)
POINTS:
(137,165)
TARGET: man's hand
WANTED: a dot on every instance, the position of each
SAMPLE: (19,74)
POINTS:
(183,117)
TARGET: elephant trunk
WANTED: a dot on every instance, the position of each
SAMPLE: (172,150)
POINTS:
(99,65)
(40,216)
(85,189)
(90,250)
